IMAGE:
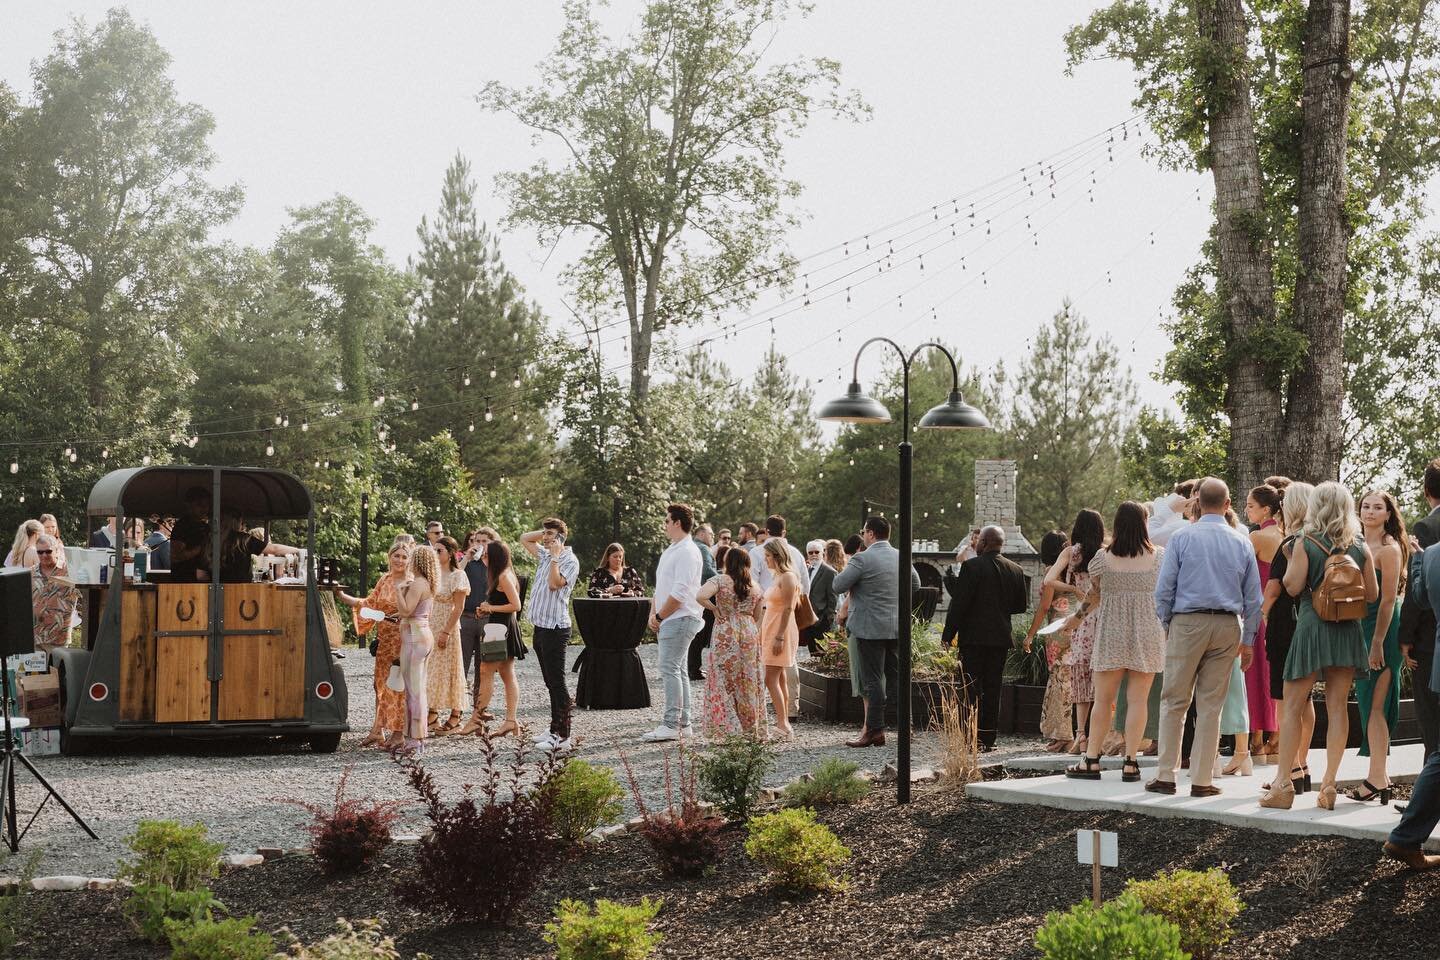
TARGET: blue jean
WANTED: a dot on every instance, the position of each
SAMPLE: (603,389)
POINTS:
(1423,811)
(674,636)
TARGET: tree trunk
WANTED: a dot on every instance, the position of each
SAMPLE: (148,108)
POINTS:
(1245,285)
(1314,439)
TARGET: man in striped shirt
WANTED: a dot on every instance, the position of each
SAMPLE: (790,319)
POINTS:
(548,610)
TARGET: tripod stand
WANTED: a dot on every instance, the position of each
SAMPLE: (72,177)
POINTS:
(11,753)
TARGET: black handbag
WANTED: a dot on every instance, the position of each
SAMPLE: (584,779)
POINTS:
(374,645)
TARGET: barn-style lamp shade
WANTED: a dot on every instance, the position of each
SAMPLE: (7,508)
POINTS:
(855,407)
(954,414)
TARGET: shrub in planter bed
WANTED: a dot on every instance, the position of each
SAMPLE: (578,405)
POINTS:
(799,853)
(350,833)
(584,798)
(152,907)
(1119,930)
(612,931)
(834,781)
(359,941)
(1202,904)
(685,839)
(14,914)
(182,858)
(487,851)
(234,938)
(730,774)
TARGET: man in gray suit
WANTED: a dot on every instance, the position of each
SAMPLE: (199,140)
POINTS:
(1422,813)
(1417,621)
(872,579)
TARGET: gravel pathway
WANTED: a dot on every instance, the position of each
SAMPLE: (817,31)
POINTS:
(233,787)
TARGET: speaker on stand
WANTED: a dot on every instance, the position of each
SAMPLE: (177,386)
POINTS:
(17,638)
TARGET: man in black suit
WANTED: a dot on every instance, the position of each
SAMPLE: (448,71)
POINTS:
(1417,622)
(987,592)
(822,595)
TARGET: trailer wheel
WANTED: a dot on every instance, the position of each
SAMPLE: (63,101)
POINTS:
(324,742)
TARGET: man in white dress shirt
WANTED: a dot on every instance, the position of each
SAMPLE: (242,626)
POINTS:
(676,617)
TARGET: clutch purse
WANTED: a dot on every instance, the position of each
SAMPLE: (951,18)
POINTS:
(395,681)
(495,644)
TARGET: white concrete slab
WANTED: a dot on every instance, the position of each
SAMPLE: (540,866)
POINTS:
(1238,805)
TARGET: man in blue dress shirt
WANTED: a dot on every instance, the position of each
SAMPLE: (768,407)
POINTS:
(1208,599)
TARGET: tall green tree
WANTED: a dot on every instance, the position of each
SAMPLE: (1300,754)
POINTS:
(468,311)
(1071,411)
(675,166)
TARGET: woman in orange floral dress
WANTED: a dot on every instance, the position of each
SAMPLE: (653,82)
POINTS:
(389,726)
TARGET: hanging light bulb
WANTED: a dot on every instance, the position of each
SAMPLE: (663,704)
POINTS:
(472,426)
(104,453)
(145,460)
(194,439)
(489,414)
(382,434)
(14,467)
(516,382)
(492,373)
(304,426)
(278,418)
(69,450)
(285,422)
(466,379)
(414,403)
(269,445)
(380,400)
(73,456)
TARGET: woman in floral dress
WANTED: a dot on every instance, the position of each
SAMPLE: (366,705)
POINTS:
(734,694)
(388,729)
(1071,575)
(445,670)
(1056,725)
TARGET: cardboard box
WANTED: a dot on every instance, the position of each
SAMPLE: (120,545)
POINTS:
(44,742)
(40,698)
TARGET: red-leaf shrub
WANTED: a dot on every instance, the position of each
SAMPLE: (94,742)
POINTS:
(685,838)
(349,834)
(487,851)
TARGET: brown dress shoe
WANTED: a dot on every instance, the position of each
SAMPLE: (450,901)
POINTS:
(1414,859)
(869,738)
(1161,786)
(1196,790)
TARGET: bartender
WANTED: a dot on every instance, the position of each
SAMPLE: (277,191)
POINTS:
(190,539)
(238,545)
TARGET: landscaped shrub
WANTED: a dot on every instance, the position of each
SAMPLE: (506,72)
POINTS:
(1202,904)
(1119,930)
(731,772)
(234,938)
(152,906)
(834,781)
(959,738)
(685,838)
(612,931)
(182,858)
(800,853)
(362,941)
(585,798)
(349,833)
(487,851)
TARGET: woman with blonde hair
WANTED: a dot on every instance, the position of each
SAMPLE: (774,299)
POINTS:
(1377,691)
(1278,614)
(1323,649)
(22,551)
(414,597)
(388,726)
(52,529)
(445,671)
(779,633)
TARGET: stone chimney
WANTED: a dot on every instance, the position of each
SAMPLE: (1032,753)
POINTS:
(995,502)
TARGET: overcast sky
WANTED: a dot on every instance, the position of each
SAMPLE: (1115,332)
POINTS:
(373,99)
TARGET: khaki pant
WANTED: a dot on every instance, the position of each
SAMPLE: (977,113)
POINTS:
(1198,653)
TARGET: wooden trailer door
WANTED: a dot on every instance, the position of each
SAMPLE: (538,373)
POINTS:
(182,653)
(247,684)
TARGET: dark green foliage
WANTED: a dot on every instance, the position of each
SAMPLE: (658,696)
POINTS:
(234,938)
(152,908)
(612,931)
(585,798)
(1119,930)
(171,855)
(731,773)
(798,852)
(833,781)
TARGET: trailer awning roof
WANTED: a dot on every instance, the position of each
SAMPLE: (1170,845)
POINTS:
(258,494)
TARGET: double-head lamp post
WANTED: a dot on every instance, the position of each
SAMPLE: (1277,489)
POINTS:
(953,414)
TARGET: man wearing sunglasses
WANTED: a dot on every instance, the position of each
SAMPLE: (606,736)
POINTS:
(52,599)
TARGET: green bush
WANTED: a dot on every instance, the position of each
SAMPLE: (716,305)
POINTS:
(1202,904)
(799,853)
(834,781)
(15,917)
(1120,930)
(731,772)
(612,931)
(585,798)
(234,938)
(151,907)
(362,941)
(182,858)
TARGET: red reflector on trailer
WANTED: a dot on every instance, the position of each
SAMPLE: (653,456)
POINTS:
(98,691)
(324,690)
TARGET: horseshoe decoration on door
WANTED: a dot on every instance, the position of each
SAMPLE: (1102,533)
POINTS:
(184,610)
(253,607)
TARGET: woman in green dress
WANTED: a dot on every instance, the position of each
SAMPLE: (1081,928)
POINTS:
(1378,690)
(1321,649)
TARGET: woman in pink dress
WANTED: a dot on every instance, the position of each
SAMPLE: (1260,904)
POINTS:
(1262,509)
(734,693)
(779,634)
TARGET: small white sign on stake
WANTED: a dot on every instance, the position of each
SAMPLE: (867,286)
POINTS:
(1098,848)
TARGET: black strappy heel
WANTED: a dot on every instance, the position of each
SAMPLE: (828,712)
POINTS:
(1087,769)
(1130,770)
(1372,792)
(1300,783)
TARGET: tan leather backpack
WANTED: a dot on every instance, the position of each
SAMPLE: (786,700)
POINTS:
(1340,597)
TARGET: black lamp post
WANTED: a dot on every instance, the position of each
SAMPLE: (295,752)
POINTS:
(953,414)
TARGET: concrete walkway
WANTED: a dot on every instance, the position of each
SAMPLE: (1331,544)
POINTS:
(1237,806)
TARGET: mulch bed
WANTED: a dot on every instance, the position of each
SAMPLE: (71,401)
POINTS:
(943,877)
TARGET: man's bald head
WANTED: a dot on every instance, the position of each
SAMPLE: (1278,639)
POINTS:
(992,538)
(1214,495)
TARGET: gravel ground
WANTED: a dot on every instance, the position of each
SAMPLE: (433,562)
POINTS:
(232,786)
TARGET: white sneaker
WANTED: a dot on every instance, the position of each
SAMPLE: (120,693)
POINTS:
(686,732)
(559,744)
(660,733)
(546,741)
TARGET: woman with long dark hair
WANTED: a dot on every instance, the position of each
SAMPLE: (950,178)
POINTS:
(734,699)
(1056,723)
(1262,509)
(1071,575)
(1378,691)
(1129,642)
(501,606)
(614,577)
